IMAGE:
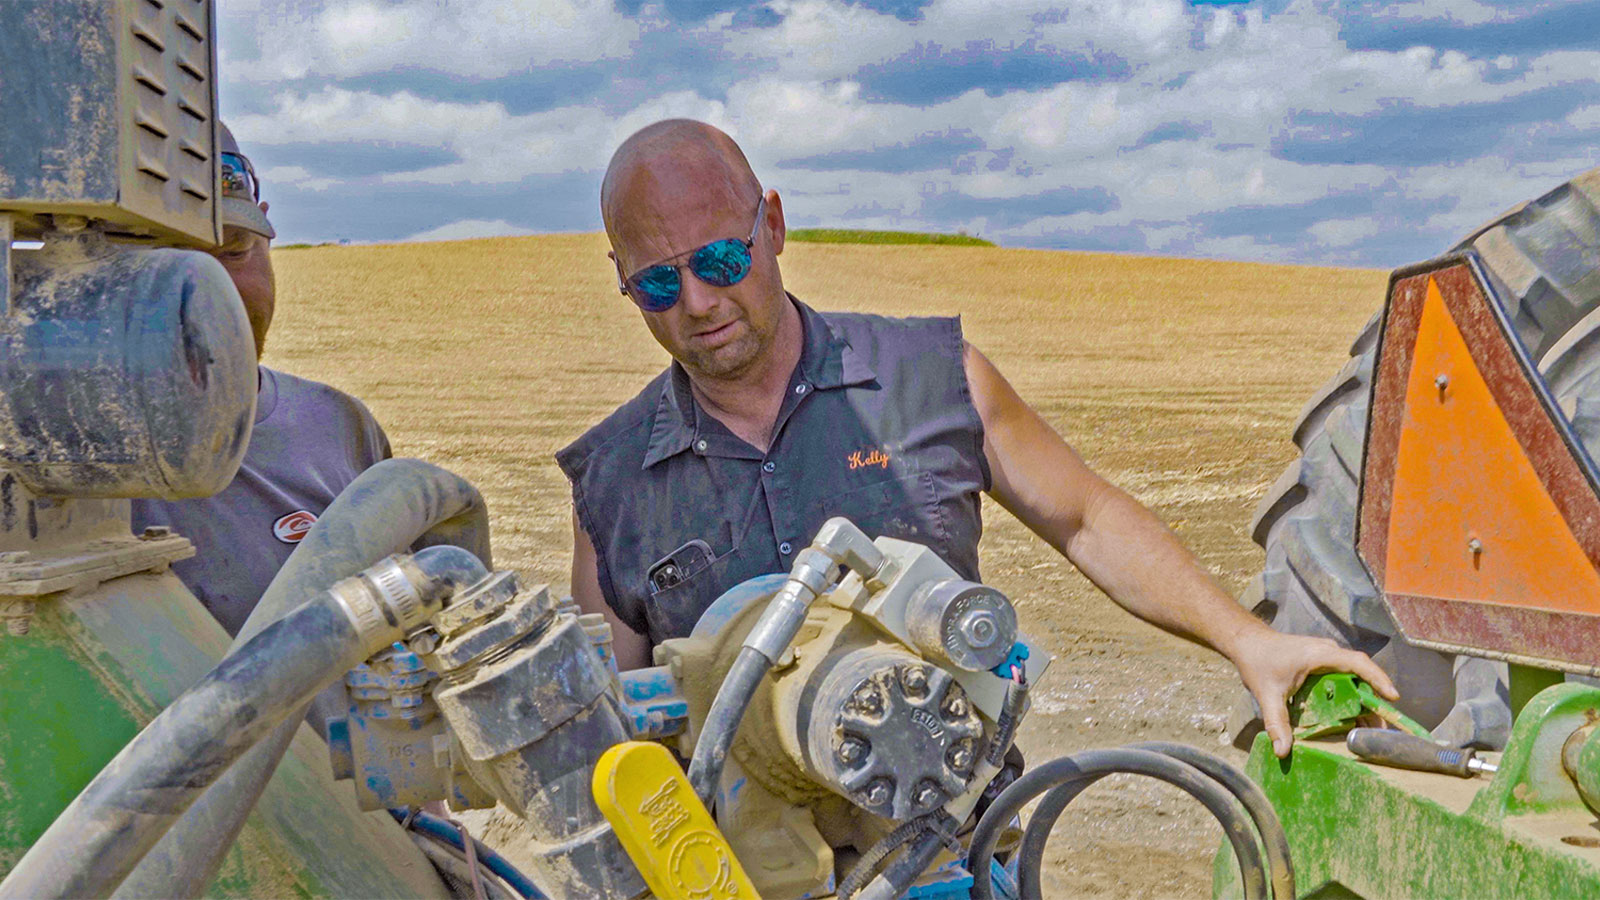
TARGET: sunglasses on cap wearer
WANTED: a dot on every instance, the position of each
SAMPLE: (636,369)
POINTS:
(239,177)
(656,288)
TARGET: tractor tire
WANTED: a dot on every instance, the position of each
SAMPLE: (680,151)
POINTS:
(1544,260)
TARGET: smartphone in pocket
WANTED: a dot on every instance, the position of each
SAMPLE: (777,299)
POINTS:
(679,566)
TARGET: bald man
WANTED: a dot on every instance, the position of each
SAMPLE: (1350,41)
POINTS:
(773,417)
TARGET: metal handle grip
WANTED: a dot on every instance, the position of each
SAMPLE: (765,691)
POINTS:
(1406,751)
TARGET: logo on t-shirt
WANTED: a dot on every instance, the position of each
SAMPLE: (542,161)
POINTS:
(291,528)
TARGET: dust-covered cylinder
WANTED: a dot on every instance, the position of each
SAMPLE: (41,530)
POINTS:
(124,372)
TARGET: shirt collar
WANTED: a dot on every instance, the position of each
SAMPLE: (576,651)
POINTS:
(827,361)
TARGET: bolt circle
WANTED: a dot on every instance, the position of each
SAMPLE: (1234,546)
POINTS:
(852,750)
(868,700)
(878,793)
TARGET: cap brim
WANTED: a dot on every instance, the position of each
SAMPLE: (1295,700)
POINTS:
(242,213)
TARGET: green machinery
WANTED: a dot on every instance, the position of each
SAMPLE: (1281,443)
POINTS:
(127,370)
(1479,522)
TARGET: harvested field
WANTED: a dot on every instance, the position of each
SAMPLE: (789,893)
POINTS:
(1178,379)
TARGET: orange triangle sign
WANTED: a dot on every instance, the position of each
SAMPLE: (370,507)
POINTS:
(1470,517)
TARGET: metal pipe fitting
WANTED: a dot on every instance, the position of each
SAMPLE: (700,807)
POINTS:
(99,838)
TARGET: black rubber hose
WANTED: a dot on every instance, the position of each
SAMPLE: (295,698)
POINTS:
(893,883)
(1274,840)
(392,506)
(1081,770)
(867,866)
(1280,869)
(98,839)
(722,722)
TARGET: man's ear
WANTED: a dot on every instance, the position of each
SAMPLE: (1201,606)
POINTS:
(775,223)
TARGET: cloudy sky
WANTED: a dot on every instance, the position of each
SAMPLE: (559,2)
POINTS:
(1290,130)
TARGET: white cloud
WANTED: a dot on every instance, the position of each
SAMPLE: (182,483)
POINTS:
(1222,85)
(467,229)
(1586,118)
(476,38)
(1343,232)
(296,176)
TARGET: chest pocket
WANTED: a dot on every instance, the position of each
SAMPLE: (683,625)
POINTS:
(672,613)
(906,508)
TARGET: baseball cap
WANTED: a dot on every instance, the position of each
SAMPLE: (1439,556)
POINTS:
(241,192)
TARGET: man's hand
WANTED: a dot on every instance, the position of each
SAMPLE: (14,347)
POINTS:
(1273,665)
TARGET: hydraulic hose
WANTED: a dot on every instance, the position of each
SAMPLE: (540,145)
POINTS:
(441,830)
(1274,841)
(394,505)
(893,882)
(106,830)
(1082,769)
(837,543)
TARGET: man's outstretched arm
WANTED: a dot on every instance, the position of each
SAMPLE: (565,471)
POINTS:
(1130,555)
(631,648)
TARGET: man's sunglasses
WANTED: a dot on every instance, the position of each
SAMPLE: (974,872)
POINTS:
(720,264)
(239,178)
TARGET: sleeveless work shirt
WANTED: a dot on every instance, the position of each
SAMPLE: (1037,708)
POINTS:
(877,424)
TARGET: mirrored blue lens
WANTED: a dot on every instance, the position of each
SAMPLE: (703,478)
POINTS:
(656,288)
(721,263)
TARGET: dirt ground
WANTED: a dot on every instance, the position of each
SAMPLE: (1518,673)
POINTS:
(1177,379)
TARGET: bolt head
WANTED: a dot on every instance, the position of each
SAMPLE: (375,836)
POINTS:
(1442,382)
(878,793)
(979,628)
(915,680)
(960,755)
(927,795)
(853,750)
(1474,546)
(955,706)
(868,700)
(156,532)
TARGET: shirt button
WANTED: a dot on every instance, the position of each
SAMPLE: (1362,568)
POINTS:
(785,549)
(700,445)
(769,467)
(801,388)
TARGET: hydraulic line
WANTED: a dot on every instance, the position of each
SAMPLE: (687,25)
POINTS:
(394,505)
(893,882)
(1274,841)
(837,543)
(441,830)
(98,839)
(1082,769)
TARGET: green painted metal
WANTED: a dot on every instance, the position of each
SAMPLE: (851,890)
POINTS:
(1526,681)
(98,665)
(1333,703)
(1358,830)
(1531,778)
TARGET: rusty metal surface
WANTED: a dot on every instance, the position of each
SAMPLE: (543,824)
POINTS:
(1504,477)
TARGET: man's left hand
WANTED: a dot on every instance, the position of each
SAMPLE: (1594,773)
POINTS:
(1273,665)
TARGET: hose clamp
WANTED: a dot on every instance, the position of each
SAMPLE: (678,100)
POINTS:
(399,595)
(360,605)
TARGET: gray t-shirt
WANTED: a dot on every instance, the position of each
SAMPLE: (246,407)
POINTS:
(309,442)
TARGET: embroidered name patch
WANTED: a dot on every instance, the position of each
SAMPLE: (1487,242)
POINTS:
(863,460)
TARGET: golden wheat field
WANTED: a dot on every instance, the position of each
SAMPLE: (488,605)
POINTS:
(1178,379)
